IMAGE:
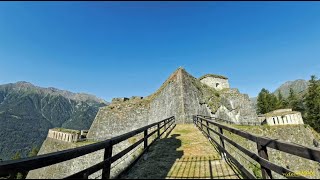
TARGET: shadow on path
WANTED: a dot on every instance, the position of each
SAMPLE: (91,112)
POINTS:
(158,161)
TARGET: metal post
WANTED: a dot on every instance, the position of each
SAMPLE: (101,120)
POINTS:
(107,165)
(262,151)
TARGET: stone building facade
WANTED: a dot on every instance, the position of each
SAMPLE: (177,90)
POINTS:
(281,117)
(217,82)
(67,136)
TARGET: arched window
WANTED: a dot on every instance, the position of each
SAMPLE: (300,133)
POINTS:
(217,84)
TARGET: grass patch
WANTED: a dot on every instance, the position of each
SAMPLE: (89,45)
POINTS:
(67,130)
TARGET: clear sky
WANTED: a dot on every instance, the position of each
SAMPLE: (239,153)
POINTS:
(121,49)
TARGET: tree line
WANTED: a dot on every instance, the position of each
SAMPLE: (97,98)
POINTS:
(308,104)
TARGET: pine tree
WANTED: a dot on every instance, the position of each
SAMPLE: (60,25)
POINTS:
(16,156)
(34,151)
(293,100)
(281,100)
(262,101)
(313,103)
(267,102)
(273,102)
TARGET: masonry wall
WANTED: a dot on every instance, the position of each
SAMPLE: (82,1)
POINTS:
(295,118)
(216,83)
(63,136)
(236,107)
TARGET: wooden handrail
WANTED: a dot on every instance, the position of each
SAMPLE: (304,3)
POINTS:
(262,144)
(298,150)
(27,164)
(231,122)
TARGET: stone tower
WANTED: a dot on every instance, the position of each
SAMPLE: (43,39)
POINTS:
(217,82)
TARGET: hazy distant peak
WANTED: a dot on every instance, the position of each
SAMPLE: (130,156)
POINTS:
(298,86)
(27,86)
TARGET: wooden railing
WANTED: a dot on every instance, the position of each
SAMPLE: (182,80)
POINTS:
(27,164)
(231,122)
(262,144)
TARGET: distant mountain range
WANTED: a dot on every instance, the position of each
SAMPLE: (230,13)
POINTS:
(299,86)
(28,111)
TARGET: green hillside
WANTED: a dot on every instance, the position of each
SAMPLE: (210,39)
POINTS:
(28,111)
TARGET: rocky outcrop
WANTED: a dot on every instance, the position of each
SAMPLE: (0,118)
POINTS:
(236,107)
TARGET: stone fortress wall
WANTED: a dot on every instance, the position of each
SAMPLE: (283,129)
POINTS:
(71,136)
(181,95)
(282,117)
(217,82)
(123,99)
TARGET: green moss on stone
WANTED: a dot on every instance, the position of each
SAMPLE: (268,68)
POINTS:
(67,130)
(212,75)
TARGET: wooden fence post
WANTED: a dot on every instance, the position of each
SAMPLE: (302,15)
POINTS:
(222,143)
(107,165)
(145,143)
(262,151)
(208,131)
(159,130)
(85,176)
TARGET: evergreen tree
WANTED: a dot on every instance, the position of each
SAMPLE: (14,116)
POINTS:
(281,100)
(267,102)
(16,156)
(276,101)
(34,151)
(262,101)
(313,103)
(273,102)
(293,100)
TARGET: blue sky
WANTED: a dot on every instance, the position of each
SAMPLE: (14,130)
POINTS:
(117,49)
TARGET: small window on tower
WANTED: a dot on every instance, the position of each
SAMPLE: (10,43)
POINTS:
(217,84)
